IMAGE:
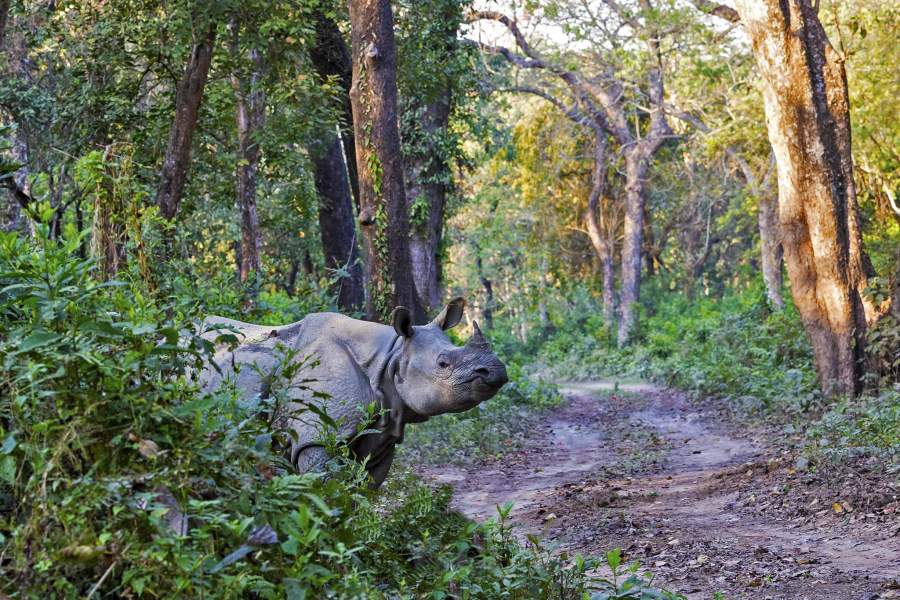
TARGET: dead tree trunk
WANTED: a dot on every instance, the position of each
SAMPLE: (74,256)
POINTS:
(383,210)
(189,93)
(250,117)
(335,173)
(807,112)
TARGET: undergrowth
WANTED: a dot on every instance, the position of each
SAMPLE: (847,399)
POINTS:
(101,432)
(740,349)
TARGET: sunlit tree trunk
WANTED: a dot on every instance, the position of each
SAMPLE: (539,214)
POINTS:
(188,96)
(383,209)
(636,164)
(771,253)
(250,117)
(807,114)
(600,236)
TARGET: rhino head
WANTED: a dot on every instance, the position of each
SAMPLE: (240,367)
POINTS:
(433,376)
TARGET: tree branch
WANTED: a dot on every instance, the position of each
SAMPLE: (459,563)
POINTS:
(571,112)
(719,10)
(535,61)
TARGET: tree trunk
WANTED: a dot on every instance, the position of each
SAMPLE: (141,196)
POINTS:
(108,235)
(187,106)
(4,14)
(331,58)
(488,285)
(336,224)
(334,169)
(600,238)
(635,171)
(18,219)
(383,214)
(427,177)
(250,118)
(771,253)
(807,114)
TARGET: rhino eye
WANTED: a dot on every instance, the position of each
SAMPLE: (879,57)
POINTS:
(442,363)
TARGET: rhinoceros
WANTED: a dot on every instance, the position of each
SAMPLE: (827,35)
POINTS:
(410,372)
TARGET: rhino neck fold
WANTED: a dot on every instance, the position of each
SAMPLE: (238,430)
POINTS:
(395,413)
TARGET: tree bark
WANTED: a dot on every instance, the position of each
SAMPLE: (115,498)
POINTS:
(599,236)
(807,113)
(637,162)
(334,170)
(771,252)
(250,118)
(488,285)
(188,96)
(427,178)
(336,224)
(4,16)
(636,165)
(331,58)
(383,209)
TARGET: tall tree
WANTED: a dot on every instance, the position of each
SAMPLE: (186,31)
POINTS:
(250,117)
(600,233)
(334,169)
(601,102)
(188,96)
(382,197)
(432,76)
(807,113)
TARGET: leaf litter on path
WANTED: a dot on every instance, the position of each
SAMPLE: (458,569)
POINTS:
(697,501)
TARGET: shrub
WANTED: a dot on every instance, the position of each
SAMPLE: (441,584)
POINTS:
(98,423)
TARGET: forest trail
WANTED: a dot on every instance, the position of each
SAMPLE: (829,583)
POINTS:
(705,506)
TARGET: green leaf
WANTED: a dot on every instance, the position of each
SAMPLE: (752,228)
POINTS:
(37,339)
(9,444)
(8,470)
(614,558)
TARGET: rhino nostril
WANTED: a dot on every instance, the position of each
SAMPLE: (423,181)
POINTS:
(482,372)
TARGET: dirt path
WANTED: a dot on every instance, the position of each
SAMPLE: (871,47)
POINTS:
(705,508)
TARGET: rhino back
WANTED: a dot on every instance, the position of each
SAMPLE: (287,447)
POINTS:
(341,354)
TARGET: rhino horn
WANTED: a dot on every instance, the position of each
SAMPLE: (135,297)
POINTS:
(477,341)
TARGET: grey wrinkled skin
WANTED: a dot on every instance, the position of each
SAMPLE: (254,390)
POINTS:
(411,372)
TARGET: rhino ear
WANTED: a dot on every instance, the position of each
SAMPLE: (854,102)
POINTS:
(401,319)
(451,315)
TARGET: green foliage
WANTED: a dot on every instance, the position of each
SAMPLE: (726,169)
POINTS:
(494,428)
(627,582)
(865,428)
(97,421)
(734,347)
